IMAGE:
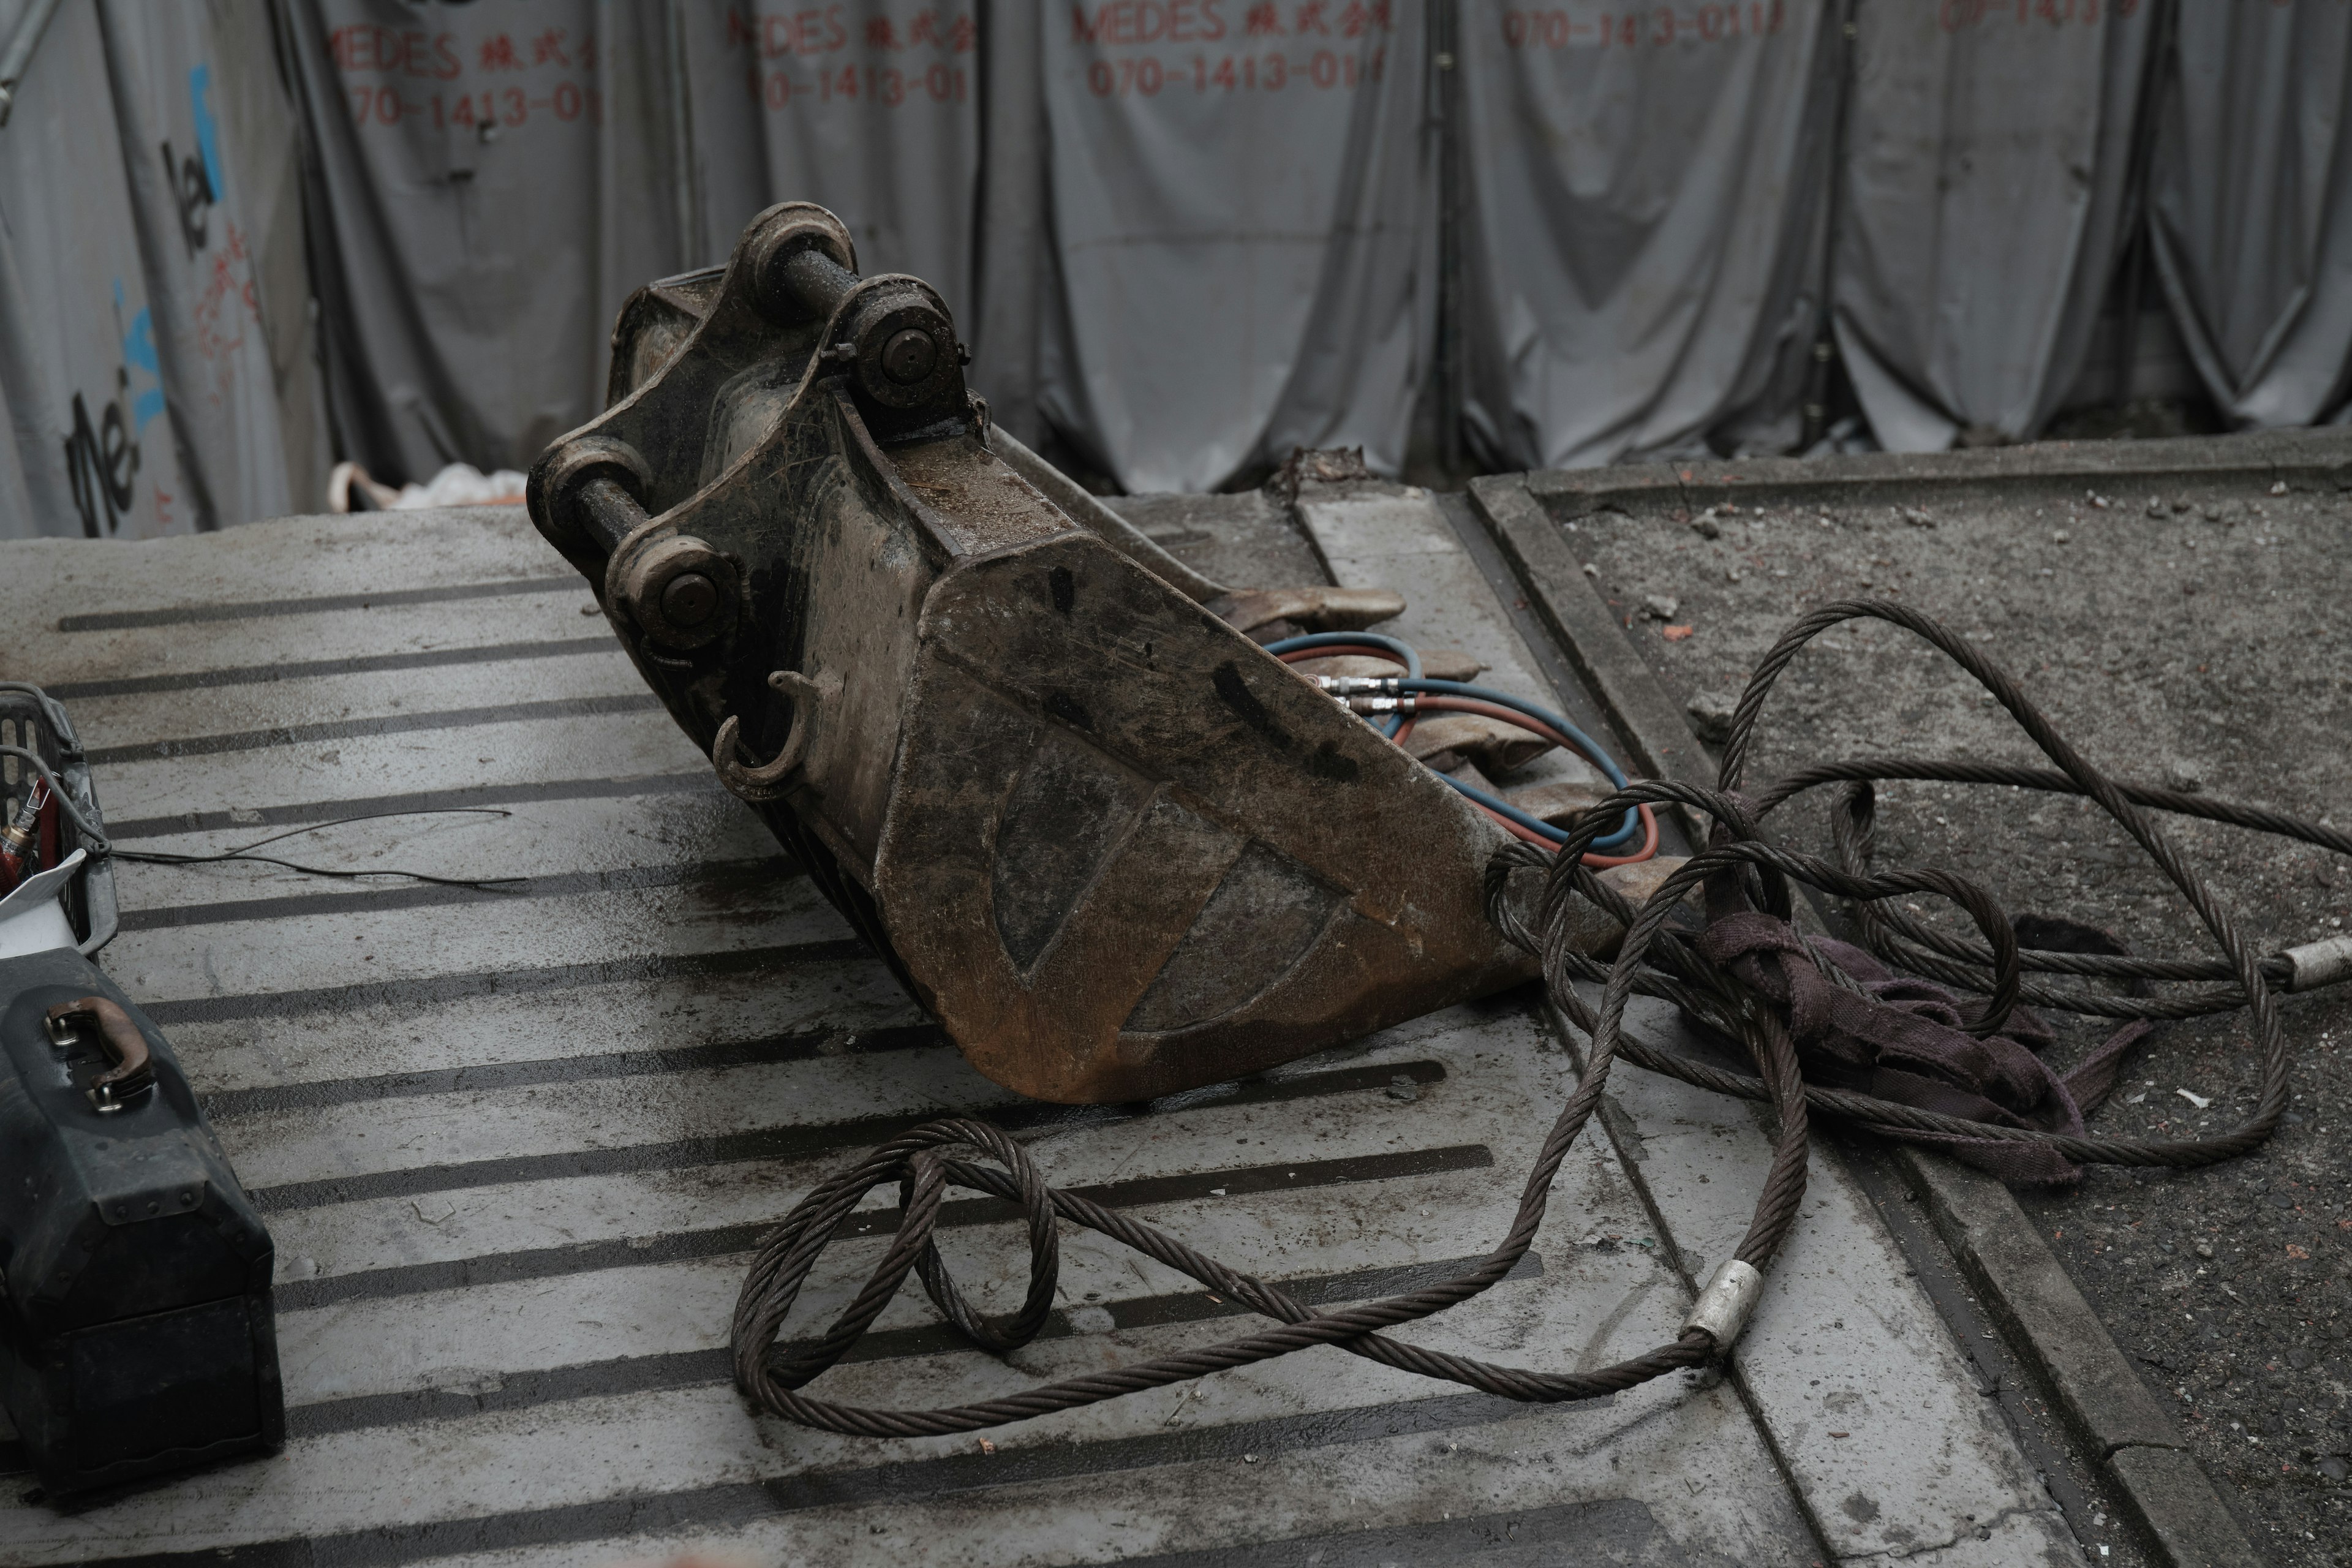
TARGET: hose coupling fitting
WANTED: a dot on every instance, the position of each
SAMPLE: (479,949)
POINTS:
(1404,704)
(1359,685)
(1722,1308)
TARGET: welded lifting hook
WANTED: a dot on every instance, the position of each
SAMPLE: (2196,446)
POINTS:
(767,781)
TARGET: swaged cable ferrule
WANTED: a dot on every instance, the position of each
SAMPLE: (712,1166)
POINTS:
(2318,963)
(1722,1308)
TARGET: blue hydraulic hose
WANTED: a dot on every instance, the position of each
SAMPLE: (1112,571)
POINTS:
(1585,743)
(1414,682)
(1404,652)
(1502,807)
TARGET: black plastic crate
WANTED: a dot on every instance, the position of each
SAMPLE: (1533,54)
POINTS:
(136,1330)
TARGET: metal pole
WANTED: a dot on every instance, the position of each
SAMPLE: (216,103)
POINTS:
(2138,179)
(684,175)
(1817,378)
(19,54)
(1817,382)
(1444,39)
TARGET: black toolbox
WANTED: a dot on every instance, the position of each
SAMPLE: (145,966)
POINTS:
(136,1335)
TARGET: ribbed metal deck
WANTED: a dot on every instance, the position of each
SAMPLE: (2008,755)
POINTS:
(514,1148)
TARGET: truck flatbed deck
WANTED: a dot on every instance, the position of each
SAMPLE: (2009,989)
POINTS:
(516,1145)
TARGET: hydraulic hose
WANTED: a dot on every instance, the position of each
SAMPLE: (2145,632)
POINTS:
(1325,644)
(1455,695)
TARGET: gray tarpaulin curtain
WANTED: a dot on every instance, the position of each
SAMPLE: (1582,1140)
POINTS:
(1240,196)
(94,452)
(490,181)
(2251,203)
(871,110)
(1008,242)
(496,178)
(1987,177)
(155,355)
(1186,235)
(215,178)
(1643,225)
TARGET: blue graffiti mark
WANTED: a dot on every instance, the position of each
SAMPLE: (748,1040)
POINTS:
(139,350)
(200,82)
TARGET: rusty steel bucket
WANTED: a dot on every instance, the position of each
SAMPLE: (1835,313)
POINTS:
(1115,846)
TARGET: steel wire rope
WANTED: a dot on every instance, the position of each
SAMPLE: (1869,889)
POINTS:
(1738,869)
(2077,776)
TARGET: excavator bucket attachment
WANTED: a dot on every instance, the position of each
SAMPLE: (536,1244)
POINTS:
(1115,846)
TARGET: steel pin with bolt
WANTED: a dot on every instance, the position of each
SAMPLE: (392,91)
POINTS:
(688,599)
(909,356)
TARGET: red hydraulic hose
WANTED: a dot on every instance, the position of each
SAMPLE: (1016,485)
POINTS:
(1437,703)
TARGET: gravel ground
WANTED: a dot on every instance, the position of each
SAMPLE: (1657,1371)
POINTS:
(2198,637)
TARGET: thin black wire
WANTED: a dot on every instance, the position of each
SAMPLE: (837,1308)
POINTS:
(480,884)
(102,847)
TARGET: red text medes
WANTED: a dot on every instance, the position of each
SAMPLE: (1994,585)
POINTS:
(362,47)
(1129,22)
(827,29)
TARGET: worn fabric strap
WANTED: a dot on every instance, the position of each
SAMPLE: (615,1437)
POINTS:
(1904,1039)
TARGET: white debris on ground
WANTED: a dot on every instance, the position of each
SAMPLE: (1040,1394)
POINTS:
(459,484)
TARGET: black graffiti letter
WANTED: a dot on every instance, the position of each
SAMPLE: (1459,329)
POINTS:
(82,471)
(192,189)
(100,461)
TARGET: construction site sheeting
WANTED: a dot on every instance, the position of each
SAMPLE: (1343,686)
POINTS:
(1987,174)
(213,158)
(1644,226)
(487,192)
(94,450)
(1241,244)
(873,112)
(1180,237)
(2252,206)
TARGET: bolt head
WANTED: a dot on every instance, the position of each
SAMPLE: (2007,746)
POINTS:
(909,356)
(688,599)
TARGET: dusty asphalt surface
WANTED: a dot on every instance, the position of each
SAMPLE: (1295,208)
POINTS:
(2198,636)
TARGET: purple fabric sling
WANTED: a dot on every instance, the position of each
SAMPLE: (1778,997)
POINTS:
(1902,1040)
